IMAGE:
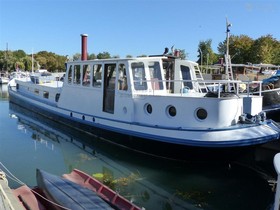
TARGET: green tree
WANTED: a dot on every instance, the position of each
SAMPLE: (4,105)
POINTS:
(92,56)
(264,49)
(239,48)
(206,54)
(103,55)
(19,54)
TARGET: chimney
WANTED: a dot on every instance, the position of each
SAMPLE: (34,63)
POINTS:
(84,47)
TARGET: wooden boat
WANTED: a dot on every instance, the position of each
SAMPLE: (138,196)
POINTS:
(68,194)
(157,99)
(76,190)
(116,200)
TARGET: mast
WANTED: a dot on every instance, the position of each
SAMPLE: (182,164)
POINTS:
(228,70)
(32,68)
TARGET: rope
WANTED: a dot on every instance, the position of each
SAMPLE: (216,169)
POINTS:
(14,178)
(6,197)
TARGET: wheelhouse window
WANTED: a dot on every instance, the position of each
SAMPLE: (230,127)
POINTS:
(155,74)
(70,75)
(86,75)
(77,75)
(122,79)
(97,75)
(186,75)
(110,77)
(168,67)
(139,76)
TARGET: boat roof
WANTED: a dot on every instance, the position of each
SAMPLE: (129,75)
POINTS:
(153,57)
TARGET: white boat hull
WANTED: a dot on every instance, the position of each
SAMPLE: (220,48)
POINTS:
(232,136)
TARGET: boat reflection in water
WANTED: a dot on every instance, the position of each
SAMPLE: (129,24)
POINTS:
(4,91)
(151,182)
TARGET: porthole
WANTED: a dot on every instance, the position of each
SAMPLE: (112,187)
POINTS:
(201,114)
(83,117)
(93,119)
(171,111)
(57,97)
(71,114)
(148,108)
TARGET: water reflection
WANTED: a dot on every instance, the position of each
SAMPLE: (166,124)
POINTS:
(149,181)
(4,91)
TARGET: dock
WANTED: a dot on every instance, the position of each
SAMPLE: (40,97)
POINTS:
(7,199)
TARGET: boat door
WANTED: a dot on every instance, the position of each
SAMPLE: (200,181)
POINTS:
(109,87)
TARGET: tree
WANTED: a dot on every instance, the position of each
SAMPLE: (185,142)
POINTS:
(19,54)
(103,55)
(92,56)
(239,48)
(206,54)
(264,49)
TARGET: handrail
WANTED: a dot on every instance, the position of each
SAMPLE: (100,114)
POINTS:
(218,86)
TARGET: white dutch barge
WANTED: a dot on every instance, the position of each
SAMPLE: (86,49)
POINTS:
(157,98)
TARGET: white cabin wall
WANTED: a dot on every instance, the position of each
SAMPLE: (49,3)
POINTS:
(124,107)
(83,99)
(217,109)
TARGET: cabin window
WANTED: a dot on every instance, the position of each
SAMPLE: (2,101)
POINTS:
(148,108)
(57,97)
(77,75)
(110,76)
(168,67)
(97,75)
(201,114)
(70,75)
(86,75)
(186,75)
(139,76)
(155,74)
(36,91)
(171,110)
(46,94)
(122,79)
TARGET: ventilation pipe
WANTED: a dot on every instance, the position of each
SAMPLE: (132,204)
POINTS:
(84,47)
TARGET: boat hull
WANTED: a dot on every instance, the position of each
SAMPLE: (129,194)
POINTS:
(239,136)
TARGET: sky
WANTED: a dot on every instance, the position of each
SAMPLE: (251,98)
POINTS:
(131,27)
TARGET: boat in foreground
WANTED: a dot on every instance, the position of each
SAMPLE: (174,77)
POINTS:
(157,98)
(76,190)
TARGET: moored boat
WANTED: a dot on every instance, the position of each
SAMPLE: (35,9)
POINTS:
(157,98)
(91,193)
(4,79)
(270,91)
(76,190)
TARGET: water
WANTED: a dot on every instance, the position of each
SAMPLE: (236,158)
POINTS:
(28,142)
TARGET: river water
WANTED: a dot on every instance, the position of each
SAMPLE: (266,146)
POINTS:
(28,142)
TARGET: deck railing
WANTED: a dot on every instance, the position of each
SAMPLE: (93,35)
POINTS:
(244,88)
